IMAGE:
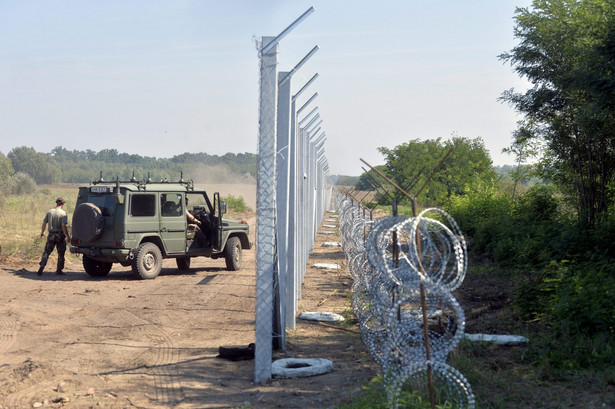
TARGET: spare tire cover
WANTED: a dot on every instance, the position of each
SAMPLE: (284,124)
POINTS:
(88,222)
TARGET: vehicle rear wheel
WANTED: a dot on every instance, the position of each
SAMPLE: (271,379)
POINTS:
(148,261)
(183,263)
(232,254)
(96,268)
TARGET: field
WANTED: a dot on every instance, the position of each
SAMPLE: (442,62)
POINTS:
(76,342)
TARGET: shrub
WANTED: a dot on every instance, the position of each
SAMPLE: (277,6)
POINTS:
(576,301)
(20,184)
(236,204)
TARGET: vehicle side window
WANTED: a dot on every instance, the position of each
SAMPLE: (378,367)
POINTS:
(170,204)
(143,205)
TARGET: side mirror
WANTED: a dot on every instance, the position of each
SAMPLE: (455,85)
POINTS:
(222,207)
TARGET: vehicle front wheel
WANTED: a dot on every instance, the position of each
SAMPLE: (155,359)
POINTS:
(183,263)
(232,254)
(148,261)
(96,268)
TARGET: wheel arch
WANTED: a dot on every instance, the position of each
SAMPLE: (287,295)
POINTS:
(156,240)
(243,238)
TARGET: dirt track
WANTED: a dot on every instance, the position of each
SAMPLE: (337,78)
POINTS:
(76,342)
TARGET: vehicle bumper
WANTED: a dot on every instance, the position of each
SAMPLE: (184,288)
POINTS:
(95,252)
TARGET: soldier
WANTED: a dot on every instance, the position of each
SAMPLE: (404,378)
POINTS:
(58,234)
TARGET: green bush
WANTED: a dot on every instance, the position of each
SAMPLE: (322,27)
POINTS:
(576,302)
(20,184)
(563,275)
(236,204)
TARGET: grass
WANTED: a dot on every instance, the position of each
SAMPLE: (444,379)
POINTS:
(509,377)
(21,217)
(502,378)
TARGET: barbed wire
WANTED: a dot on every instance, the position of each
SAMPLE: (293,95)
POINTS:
(404,271)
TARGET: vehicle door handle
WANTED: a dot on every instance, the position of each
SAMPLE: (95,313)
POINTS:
(164,230)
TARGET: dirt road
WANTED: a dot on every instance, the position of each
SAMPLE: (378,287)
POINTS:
(117,342)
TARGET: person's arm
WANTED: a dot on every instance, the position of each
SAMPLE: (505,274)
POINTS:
(43,229)
(191,218)
(65,229)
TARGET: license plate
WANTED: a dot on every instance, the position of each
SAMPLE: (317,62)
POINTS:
(100,189)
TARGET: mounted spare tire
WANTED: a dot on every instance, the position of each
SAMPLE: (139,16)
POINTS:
(88,222)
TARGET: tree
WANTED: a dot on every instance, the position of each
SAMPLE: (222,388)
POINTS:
(38,165)
(524,147)
(6,170)
(566,51)
(414,164)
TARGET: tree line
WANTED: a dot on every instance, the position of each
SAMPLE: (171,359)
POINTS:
(24,166)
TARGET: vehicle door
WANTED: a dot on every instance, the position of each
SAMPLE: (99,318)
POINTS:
(173,222)
(219,210)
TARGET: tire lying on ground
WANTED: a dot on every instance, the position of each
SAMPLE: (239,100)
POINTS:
(88,222)
(300,367)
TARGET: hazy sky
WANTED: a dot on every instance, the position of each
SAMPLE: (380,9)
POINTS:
(159,78)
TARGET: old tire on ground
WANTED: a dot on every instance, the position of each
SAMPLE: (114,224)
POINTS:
(148,261)
(289,368)
(88,222)
(96,268)
(183,263)
(232,254)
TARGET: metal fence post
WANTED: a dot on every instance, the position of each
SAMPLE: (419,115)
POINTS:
(265,215)
(284,147)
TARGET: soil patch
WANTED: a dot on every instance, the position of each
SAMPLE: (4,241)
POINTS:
(77,342)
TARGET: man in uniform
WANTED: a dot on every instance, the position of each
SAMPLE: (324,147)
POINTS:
(57,220)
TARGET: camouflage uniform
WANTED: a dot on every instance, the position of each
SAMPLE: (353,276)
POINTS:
(56,219)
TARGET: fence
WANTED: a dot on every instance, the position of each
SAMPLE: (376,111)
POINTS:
(404,270)
(292,196)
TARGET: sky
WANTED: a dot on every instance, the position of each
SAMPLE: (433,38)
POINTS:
(159,78)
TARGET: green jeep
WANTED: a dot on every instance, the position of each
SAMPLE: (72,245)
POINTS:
(139,223)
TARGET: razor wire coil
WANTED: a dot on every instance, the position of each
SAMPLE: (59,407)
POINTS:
(399,265)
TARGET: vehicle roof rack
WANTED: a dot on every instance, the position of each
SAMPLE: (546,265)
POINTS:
(141,184)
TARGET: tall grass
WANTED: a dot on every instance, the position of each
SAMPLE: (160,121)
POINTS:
(21,217)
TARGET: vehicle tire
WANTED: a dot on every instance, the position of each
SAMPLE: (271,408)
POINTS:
(96,268)
(88,222)
(183,263)
(232,254)
(148,261)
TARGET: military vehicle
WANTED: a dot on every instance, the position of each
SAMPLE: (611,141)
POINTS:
(140,223)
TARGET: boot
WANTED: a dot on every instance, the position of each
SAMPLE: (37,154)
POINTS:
(40,271)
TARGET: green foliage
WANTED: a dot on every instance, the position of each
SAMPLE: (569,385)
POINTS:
(371,180)
(525,232)
(411,164)
(38,165)
(341,180)
(62,165)
(565,51)
(6,170)
(20,184)
(374,396)
(563,275)
(236,204)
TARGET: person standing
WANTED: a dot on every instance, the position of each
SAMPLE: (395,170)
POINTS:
(56,219)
